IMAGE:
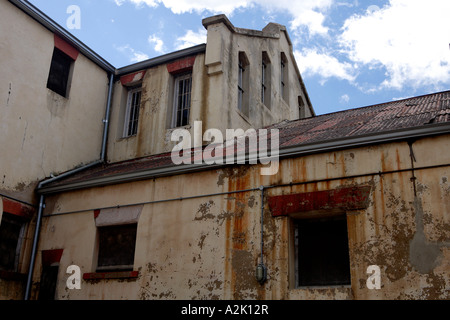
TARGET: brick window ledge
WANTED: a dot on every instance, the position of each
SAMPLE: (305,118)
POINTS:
(111,275)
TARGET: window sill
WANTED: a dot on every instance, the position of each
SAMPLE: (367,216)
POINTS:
(127,137)
(12,276)
(346,286)
(243,116)
(111,275)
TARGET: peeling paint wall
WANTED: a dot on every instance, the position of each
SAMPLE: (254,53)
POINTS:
(209,247)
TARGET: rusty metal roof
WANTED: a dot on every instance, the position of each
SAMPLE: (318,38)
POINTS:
(417,112)
(407,113)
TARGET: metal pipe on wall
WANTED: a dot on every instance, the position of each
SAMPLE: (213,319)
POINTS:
(66,174)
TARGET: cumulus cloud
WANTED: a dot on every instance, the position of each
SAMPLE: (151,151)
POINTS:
(190,39)
(305,13)
(409,39)
(312,62)
(345,98)
(157,42)
(134,56)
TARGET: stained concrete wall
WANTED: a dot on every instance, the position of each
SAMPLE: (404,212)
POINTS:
(214,97)
(42,132)
(209,247)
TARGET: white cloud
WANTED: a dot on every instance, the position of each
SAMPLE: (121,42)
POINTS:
(134,56)
(139,3)
(305,13)
(408,38)
(190,39)
(158,43)
(312,62)
(345,98)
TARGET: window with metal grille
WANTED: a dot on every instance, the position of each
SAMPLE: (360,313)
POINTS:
(58,78)
(116,247)
(132,112)
(322,254)
(241,85)
(284,77)
(265,79)
(11,234)
(182,100)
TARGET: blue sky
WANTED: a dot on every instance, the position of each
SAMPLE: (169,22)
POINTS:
(351,53)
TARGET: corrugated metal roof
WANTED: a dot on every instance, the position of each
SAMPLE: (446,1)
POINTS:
(397,115)
(407,113)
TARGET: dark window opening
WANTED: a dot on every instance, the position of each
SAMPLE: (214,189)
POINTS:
(49,278)
(58,78)
(322,252)
(10,238)
(116,247)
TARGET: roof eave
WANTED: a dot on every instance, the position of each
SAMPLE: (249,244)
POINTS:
(166,58)
(287,152)
(51,25)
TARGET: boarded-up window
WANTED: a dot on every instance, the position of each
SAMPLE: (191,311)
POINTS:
(322,254)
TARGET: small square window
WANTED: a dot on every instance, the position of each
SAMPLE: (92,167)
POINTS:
(132,112)
(58,78)
(321,250)
(116,247)
(11,234)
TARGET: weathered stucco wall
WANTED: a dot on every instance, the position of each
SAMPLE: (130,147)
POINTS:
(214,99)
(42,132)
(209,247)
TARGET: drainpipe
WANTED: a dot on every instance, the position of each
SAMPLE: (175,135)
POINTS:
(106,120)
(261,270)
(61,176)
